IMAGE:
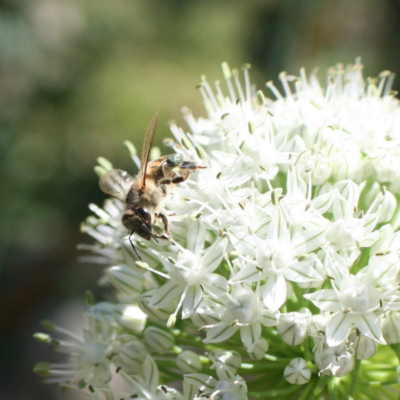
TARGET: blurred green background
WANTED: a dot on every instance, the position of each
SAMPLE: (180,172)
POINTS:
(78,77)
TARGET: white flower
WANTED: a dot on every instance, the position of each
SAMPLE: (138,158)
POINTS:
(276,258)
(334,360)
(243,311)
(146,387)
(199,386)
(354,303)
(189,276)
(391,328)
(297,371)
(294,327)
(189,362)
(287,210)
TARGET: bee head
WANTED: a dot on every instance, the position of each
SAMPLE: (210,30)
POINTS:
(138,220)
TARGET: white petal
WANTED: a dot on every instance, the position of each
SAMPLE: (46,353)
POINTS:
(269,319)
(200,381)
(249,273)
(338,328)
(150,372)
(322,203)
(191,301)
(370,221)
(369,239)
(336,267)
(165,294)
(308,241)
(213,255)
(278,229)
(216,285)
(302,272)
(250,334)
(325,299)
(370,326)
(275,290)
(219,333)
(340,207)
(196,236)
(241,240)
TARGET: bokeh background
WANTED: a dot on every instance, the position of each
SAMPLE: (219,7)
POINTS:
(78,77)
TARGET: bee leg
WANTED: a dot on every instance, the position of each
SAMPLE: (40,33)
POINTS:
(163,237)
(163,184)
(165,221)
(133,246)
(178,179)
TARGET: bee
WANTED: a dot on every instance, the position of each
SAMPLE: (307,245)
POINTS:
(144,195)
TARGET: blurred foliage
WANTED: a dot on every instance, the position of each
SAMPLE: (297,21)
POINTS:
(78,77)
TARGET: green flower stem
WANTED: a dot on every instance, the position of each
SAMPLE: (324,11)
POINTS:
(366,391)
(275,381)
(305,395)
(270,357)
(354,377)
(396,348)
(268,366)
(307,353)
(321,385)
(385,383)
(273,393)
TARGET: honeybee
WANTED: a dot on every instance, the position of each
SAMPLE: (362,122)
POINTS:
(144,195)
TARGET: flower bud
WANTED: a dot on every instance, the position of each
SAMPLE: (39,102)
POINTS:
(386,168)
(391,328)
(155,313)
(259,350)
(364,347)
(158,339)
(189,362)
(389,206)
(387,201)
(42,337)
(126,280)
(42,369)
(101,312)
(130,317)
(226,363)
(349,190)
(131,356)
(322,170)
(297,372)
(293,327)
(346,163)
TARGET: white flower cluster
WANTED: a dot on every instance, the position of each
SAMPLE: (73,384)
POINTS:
(284,246)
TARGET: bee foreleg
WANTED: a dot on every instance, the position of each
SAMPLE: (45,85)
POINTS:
(164,189)
(163,237)
(133,246)
(165,221)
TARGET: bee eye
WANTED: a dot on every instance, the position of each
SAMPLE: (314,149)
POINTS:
(174,160)
(128,215)
(144,214)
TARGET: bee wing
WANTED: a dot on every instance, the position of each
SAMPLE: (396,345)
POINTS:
(147,143)
(116,183)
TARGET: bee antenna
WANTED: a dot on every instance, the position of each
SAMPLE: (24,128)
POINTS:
(133,246)
(152,235)
(149,232)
